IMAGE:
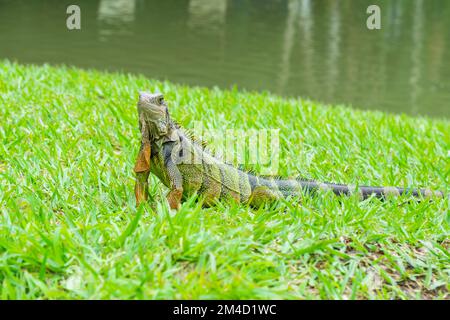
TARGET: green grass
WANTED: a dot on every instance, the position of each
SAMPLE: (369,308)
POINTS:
(69,227)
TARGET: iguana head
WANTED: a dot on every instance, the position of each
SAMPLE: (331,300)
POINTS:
(154,118)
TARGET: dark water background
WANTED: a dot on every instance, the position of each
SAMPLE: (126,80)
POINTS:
(317,49)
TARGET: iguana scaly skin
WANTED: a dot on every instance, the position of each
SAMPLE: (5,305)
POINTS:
(185,167)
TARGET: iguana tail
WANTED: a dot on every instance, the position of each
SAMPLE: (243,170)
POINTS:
(273,188)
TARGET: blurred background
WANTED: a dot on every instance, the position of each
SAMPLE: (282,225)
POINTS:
(318,49)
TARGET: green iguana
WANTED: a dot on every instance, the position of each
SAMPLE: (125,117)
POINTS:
(186,167)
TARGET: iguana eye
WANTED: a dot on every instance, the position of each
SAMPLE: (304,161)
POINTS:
(157,100)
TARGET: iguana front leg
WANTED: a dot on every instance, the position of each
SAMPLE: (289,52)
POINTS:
(142,170)
(174,198)
(176,179)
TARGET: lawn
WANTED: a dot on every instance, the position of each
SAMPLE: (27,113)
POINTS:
(69,227)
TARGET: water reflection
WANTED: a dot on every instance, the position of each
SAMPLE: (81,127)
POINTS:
(334,48)
(207,16)
(115,17)
(417,36)
(319,49)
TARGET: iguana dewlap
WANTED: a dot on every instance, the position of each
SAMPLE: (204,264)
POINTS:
(185,167)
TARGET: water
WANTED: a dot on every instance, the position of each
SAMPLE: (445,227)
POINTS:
(317,49)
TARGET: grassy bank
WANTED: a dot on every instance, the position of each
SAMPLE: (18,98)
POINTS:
(69,227)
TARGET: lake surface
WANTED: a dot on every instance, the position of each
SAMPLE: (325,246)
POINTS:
(319,49)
